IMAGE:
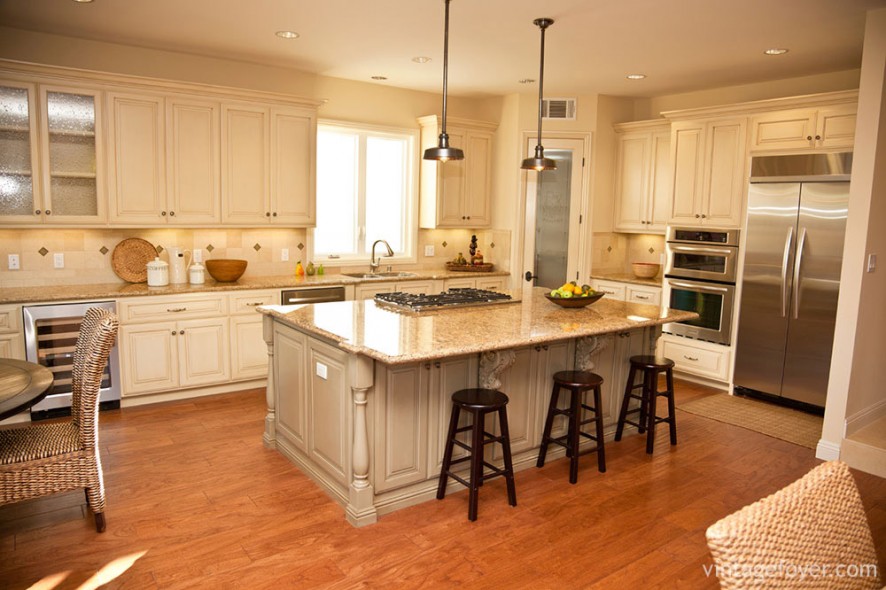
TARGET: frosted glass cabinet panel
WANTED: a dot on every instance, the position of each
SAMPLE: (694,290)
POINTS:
(49,155)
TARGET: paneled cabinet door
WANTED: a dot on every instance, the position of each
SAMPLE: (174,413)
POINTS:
(368,290)
(329,403)
(137,176)
(249,353)
(19,154)
(658,204)
(245,165)
(203,352)
(12,346)
(149,357)
(687,178)
(631,181)
(478,166)
(835,126)
(804,129)
(450,185)
(290,381)
(193,139)
(293,155)
(446,376)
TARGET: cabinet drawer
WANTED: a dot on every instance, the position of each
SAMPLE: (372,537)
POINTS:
(246,302)
(647,295)
(613,290)
(696,360)
(492,283)
(10,319)
(148,309)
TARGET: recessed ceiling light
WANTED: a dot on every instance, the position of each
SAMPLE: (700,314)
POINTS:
(527,81)
(421,59)
(379,77)
(83,1)
(635,76)
(286,34)
(775,51)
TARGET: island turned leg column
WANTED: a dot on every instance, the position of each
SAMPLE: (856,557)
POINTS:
(361,509)
(269,438)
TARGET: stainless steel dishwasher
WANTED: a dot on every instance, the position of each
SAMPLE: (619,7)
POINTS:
(307,295)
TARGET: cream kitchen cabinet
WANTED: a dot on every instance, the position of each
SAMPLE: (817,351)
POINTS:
(618,291)
(173,342)
(369,289)
(804,129)
(697,357)
(613,289)
(249,353)
(12,342)
(487,283)
(642,172)
(51,154)
(193,145)
(457,193)
(268,157)
(708,179)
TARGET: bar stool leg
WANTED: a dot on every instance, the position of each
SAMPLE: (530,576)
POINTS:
(573,436)
(447,453)
(506,452)
(672,416)
(649,394)
(549,423)
(622,416)
(476,464)
(598,418)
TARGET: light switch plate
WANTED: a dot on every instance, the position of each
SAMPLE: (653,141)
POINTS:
(198,255)
(872,262)
(58,260)
(284,254)
(14,262)
(321,370)
(429,250)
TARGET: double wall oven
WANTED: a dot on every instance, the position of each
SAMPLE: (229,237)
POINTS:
(700,276)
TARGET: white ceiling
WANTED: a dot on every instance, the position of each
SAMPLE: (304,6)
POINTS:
(681,45)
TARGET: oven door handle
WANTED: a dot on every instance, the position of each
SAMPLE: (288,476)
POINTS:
(705,249)
(697,287)
(801,242)
(784,269)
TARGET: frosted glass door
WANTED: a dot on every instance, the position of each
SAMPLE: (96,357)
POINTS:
(552,221)
(18,154)
(71,156)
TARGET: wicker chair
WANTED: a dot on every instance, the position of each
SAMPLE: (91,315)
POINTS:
(811,534)
(45,459)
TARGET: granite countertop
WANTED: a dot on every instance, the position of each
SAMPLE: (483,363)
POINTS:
(624,277)
(117,290)
(396,337)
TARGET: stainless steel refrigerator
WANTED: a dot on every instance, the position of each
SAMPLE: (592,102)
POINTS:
(797,207)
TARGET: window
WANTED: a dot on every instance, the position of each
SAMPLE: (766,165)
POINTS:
(365,192)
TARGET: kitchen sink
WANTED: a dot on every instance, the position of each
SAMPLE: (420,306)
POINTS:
(379,275)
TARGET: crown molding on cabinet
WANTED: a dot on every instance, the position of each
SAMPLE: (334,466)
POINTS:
(760,106)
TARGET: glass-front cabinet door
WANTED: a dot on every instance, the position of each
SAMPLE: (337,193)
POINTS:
(50,155)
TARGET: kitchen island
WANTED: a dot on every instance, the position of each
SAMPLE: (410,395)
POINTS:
(359,393)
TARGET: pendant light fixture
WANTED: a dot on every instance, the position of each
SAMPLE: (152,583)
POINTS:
(539,162)
(443,152)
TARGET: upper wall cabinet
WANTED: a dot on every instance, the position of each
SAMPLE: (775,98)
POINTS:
(642,171)
(268,163)
(50,155)
(708,178)
(804,129)
(457,193)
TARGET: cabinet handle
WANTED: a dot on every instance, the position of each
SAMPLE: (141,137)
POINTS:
(703,216)
(48,212)
(181,331)
(690,358)
(697,215)
(643,297)
(256,304)
(437,364)
(268,214)
(808,138)
(172,213)
(163,213)
(818,138)
(38,212)
(173,332)
(275,214)
(177,309)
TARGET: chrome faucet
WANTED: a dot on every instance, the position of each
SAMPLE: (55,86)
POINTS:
(373,263)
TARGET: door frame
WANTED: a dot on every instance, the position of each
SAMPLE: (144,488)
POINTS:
(528,183)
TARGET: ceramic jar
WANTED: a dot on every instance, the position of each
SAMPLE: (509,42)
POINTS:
(158,273)
(196,274)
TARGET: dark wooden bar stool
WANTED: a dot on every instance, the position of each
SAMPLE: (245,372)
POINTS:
(651,366)
(478,402)
(577,382)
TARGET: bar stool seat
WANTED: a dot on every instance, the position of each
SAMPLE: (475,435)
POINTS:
(577,382)
(650,366)
(478,402)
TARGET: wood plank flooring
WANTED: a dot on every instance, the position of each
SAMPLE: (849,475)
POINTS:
(195,501)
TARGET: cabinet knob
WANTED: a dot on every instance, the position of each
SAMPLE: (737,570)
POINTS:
(181,331)
(268,214)
(437,364)
(48,212)
(818,137)
(697,215)
(275,214)
(468,217)
(172,213)
(163,213)
(173,332)
(703,216)
(808,138)
(38,212)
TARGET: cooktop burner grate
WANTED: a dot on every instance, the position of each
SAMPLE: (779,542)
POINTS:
(450,298)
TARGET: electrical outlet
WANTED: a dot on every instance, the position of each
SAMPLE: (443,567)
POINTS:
(58,260)
(872,262)
(321,370)
(284,255)
(429,250)
(14,262)
(198,254)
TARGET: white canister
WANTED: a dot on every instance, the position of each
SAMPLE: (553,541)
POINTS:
(196,274)
(158,273)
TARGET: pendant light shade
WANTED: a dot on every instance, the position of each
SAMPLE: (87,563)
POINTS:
(539,162)
(444,151)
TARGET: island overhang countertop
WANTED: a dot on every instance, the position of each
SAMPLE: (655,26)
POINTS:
(395,337)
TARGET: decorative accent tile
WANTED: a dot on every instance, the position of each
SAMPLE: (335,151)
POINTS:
(103,250)
(300,246)
(444,243)
(651,250)
(210,248)
(609,248)
(159,249)
(492,244)
(257,247)
(43,251)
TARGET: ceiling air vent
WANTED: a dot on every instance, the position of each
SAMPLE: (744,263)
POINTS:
(558,108)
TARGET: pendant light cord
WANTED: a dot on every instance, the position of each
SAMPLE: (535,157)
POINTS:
(445,64)
(542,24)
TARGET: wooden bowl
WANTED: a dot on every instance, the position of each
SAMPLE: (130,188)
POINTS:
(575,301)
(645,270)
(225,270)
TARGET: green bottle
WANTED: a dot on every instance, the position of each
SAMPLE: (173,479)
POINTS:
(321,270)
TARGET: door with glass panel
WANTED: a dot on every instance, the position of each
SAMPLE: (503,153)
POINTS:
(19,148)
(553,248)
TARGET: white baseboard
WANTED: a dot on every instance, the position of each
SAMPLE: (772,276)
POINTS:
(867,416)
(827,451)
(180,394)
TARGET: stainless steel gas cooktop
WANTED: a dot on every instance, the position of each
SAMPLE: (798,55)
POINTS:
(450,298)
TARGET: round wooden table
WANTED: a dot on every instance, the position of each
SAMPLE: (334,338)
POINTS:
(22,384)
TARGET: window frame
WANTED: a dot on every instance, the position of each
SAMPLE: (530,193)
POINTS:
(410,255)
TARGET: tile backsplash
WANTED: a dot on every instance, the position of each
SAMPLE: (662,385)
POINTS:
(614,252)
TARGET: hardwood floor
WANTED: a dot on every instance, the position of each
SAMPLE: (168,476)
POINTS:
(195,501)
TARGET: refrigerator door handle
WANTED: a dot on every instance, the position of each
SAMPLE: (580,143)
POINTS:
(797,265)
(784,269)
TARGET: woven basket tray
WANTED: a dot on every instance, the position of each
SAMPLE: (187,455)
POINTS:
(130,258)
(469,267)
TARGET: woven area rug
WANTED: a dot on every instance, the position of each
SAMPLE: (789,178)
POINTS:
(793,426)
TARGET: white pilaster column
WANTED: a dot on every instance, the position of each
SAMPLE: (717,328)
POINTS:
(361,508)
(269,438)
